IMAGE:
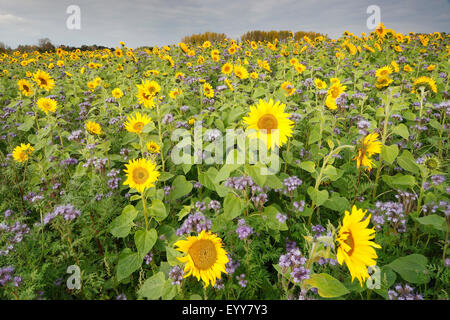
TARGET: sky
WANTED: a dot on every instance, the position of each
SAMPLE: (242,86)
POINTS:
(160,22)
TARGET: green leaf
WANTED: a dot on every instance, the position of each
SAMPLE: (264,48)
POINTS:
(270,217)
(401,130)
(412,268)
(158,210)
(120,227)
(399,181)
(327,286)
(145,240)
(165,176)
(259,92)
(407,162)
(437,222)
(309,166)
(129,262)
(232,206)
(172,255)
(27,124)
(273,182)
(184,212)
(181,187)
(337,203)
(254,171)
(387,279)
(153,287)
(318,196)
(389,153)
(225,171)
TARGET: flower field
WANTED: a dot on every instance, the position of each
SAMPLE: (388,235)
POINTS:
(309,168)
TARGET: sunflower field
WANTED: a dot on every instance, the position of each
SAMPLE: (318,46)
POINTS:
(353,202)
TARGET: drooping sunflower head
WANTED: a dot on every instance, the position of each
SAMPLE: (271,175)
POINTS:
(355,247)
(22,152)
(370,145)
(136,124)
(141,174)
(425,82)
(93,127)
(43,80)
(47,105)
(205,257)
(268,120)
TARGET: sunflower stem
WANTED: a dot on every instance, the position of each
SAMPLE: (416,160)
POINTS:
(144,204)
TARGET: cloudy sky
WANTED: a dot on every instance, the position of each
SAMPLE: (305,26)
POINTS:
(159,22)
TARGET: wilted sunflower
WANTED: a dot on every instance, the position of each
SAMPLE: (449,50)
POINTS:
(47,105)
(136,124)
(25,87)
(370,145)
(43,80)
(424,82)
(21,153)
(93,127)
(141,174)
(205,258)
(265,118)
(355,247)
(208,90)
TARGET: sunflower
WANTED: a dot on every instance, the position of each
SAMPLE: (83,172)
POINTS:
(266,117)
(240,72)
(355,247)
(383,72)
(300,67)
(407,68)
(25,87)
(137,123)
(117,93)
(43,80)
(205,258)
(381,30)
(153,147)
(320,84)
(227,68)
(288,88)
(229,84)
(383,82)
(21,153)
(47,105)
(334,92)
(208,90)
(175,93)
(93,127)
(370,145)
(141,174)
(424,82)
(151,87)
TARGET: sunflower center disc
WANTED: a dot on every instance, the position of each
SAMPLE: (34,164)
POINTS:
(43,81)
(203,253)
(138,126)
(268,122)
(351,243)
(140,175)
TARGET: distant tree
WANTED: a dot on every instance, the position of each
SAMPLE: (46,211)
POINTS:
(4,48)
(45,44)
(199,38)
(259,35)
